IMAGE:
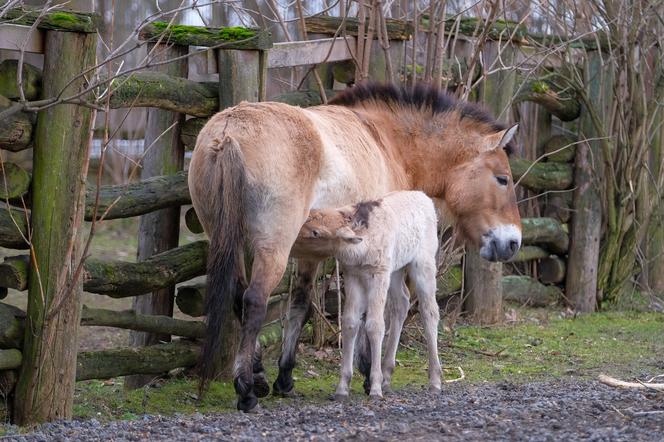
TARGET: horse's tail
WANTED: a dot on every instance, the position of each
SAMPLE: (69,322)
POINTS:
(227,238)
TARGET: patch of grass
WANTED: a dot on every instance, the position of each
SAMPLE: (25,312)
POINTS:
(620,344)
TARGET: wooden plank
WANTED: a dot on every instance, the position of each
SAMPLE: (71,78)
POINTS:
(301,53)
(323,24)
(13,37)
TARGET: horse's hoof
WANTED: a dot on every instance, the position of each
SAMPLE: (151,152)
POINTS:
(278,390)
(434,390)
(340,397)
(375,397)
(261,387)
(387,390)
(248,403)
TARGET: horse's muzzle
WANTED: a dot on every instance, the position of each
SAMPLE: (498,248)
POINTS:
(501,243)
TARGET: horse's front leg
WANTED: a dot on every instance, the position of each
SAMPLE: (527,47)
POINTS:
(299,312)
(375,324)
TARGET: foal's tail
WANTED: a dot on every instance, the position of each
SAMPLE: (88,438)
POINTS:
(227,233)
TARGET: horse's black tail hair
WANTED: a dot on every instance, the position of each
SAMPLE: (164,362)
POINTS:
(227,237)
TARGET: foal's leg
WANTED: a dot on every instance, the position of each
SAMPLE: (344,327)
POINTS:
(396,311)
(376,294)
(298,314)
(424,276)
(267,270)
(349,327)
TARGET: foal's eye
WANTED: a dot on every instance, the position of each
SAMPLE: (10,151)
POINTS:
(502,180)
(315,233)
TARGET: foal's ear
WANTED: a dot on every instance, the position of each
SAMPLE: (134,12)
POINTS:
(347,234)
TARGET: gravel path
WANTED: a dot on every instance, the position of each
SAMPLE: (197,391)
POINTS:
(557,410)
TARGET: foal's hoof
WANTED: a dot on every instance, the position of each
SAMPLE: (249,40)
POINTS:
(261,387)
(375,397)
(248,404)
(340,397)
(434,389)
(277,390)
(387,390)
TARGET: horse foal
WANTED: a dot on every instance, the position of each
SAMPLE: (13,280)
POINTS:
(375,243)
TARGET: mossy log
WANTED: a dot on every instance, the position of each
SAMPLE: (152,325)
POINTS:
(542,175)
(119,279)
(547,232)
(155,89)
(558,101)
(192,222)
(190,129)
(57,20)
(14,272)
(31,80)
(16,131)
(131,320)
(552,270)
(127,200)
(529,253)
(564,148)
(527,290)
(13,228)
(234,37)
(14,181)
(154,359)
(323,24)
(12,326)
(10,359)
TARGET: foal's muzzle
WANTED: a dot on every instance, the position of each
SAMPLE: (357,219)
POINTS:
(501,243)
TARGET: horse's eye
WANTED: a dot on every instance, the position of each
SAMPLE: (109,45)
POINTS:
(315,233)
(502,180)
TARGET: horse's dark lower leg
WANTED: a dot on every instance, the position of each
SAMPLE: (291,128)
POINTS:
(363,354)
(298,313)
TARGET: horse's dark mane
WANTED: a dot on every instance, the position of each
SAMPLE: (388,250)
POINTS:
(422,97)
(362,212)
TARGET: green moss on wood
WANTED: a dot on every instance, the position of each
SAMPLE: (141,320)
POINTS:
(31,80)
(541,176)
(62,20)
(14,181)
(10,359)
(234,37)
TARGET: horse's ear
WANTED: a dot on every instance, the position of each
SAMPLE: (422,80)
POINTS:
(347,234)
(500,140)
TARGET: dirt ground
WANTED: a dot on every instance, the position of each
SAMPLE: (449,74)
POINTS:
(555,410)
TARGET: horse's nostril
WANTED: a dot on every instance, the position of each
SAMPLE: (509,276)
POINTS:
(514,246)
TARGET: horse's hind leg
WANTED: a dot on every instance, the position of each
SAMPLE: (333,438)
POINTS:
(298,313)
(267,269)
(424,277)
(396,311)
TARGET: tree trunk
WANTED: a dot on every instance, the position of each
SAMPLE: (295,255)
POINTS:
(45,389)
(159,231)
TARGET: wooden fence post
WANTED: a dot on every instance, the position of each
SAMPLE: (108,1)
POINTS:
(45,389)
(242,76)
(586,224)
(159,230)
(483,289)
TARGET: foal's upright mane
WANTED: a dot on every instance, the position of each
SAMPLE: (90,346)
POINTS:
(422,98)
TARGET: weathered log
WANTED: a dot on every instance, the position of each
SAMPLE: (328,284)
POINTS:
(12,328)
(545,231)
(190,130)
(541,176)
(31,80)
(555,99)
(45,390)
(14,181)
(564,148)
(127,200)
(234,37)
(552,270)
(15,131)
(526,290)
(131,320)
(192,222)
(120,279)
(163,91)
(10,359)
(13,228)
(154,359)
(323,24)
(14,272)
(53,19)
(529,253)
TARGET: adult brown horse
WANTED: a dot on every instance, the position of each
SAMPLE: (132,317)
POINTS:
(258,168)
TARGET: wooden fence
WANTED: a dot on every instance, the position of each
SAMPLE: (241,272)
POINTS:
(38,347)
